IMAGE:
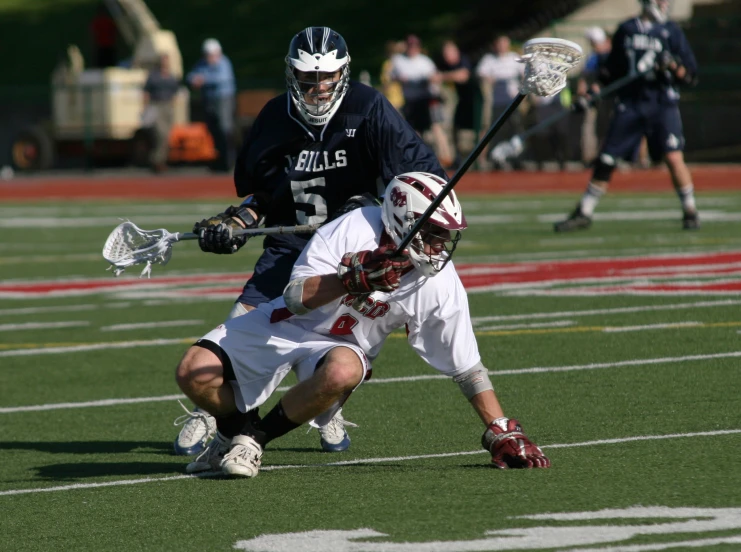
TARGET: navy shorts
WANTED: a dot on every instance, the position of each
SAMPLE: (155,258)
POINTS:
(660,124)
(272,272)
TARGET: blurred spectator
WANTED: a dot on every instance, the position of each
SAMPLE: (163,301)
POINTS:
(213,76)
(159,109)
(551,143)
(500,75)
(419,79)
(456,68)
(595,118)
(392,88)
(104,33)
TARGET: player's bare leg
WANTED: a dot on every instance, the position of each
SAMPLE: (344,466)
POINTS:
(200,375)
(340,372)
(581,217)
(682,181)
(198,425)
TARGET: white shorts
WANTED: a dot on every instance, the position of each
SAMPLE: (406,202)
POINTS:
(262,354)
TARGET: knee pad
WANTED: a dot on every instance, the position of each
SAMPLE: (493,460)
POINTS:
(603,167)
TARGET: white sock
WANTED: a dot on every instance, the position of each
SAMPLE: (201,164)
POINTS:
(687,197)
(590,199)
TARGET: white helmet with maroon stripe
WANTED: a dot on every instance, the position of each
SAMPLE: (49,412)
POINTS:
(407,197)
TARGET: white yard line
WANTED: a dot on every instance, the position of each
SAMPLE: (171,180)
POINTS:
(42,325)
(668,214)
(96,347)
(620,329)
(617,310)
(149,325)
(554,324)
(361,461)
(38,310)
(402,379)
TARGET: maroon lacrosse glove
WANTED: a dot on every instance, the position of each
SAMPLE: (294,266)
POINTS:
(510,447)
(369,271)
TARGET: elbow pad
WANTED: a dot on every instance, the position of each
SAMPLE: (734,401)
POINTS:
(474,381)
(293,296)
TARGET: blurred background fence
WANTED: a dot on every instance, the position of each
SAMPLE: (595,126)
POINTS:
(36,37)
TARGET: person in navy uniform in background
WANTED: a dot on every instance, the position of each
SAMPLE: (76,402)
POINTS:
(648,106)
(325,146)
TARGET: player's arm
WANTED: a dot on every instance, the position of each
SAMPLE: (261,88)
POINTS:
(443,336)
(318,279)
(683,64)
(356,274)
(617,63)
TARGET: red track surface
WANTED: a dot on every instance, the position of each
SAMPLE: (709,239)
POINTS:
(216,187)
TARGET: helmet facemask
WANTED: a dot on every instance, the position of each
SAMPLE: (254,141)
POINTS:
(432,248)
(407,197)
(315,93)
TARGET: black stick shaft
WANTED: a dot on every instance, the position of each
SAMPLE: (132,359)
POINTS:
(460,172)
(606,91)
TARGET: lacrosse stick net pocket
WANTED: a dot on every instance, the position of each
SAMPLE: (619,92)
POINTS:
(129,245)
(547,63)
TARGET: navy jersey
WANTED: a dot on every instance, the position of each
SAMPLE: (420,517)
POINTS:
(301,174)
(636,46)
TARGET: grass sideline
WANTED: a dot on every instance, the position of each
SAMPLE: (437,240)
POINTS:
(646,415)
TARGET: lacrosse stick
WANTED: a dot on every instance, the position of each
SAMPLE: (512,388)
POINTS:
(129,245)
(547,61)
(515,146)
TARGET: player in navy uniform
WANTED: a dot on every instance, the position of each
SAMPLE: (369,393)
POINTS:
(647,107)
(325,146)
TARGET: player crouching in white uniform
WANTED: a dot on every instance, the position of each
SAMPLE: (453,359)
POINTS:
(348,292)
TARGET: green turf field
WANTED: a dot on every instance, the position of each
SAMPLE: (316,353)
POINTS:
(623,366)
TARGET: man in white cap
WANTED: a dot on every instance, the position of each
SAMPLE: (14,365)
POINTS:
(213,77)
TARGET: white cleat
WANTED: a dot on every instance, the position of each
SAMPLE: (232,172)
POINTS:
(210,459)
(334,437)
(198,428)
(243,459)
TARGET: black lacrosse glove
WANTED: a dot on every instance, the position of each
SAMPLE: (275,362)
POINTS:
(217,234)
(665,61)
(355,202)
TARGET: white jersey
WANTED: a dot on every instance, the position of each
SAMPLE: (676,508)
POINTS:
(419,67)
(434,310)
(505,71)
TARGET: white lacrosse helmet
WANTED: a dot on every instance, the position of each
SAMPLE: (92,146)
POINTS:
(314,56)
(406,198)
(658,10)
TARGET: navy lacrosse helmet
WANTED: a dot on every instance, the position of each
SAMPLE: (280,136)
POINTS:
(658,10)
(315,56)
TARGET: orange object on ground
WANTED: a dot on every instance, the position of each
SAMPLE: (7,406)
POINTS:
(191,143)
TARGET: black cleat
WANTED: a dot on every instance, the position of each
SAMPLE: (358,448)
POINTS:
(691,221)
(576,221)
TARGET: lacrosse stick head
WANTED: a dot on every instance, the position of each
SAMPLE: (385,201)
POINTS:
(547,63)
(129,245)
